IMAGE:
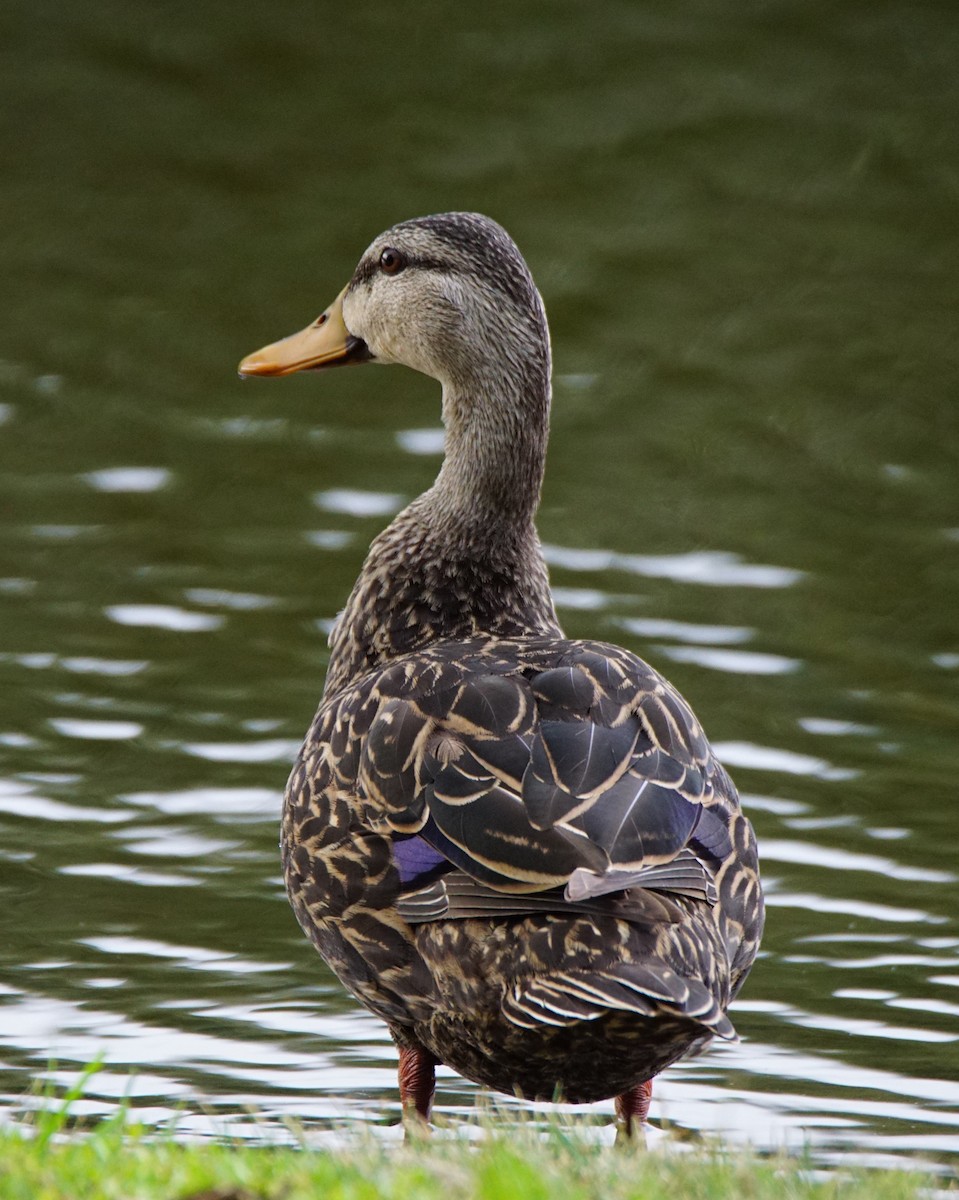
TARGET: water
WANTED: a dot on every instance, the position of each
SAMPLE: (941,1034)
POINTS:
(744,230)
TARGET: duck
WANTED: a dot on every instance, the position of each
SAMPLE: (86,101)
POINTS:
(515,848)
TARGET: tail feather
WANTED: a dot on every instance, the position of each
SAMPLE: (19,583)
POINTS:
(649,989)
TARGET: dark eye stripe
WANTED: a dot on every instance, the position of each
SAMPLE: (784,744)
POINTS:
(370,268)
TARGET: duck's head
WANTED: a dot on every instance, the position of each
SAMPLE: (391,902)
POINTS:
(449,295)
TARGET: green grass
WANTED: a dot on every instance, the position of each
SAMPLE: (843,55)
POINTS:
(113,1162)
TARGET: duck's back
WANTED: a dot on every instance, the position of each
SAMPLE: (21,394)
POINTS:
(524,856)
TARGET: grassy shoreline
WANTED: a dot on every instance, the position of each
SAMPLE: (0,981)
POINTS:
(116,1162)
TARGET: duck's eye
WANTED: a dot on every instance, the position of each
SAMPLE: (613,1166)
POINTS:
(391,261)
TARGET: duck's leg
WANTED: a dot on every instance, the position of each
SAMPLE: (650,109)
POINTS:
(417,1084)
(632,1109)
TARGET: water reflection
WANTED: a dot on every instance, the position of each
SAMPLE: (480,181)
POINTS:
(712,568)
(163,616)
(736,662)
(128,479)
(358,503)
(85,727)
(421,441)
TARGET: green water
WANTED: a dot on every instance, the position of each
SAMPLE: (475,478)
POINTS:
(743,220)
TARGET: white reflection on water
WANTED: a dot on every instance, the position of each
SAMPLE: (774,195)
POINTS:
(12,585)
(120,873)
(684,631)
(98,730)
(863,994)
(215,802)
(357,503)
(875,1029)
(779,1063)
(19,800)
(329,539)
(734,662)
(104,666)
(358,1029)
(774,758)
(831,728)
(778,805)
(64,533)
(848,907)
(63,1030)
(582,599)
(795,1121)
(809,854)
(926,1004)
(422,441)
(79,665)
(174,843)
(220,598)
(255,428)
(266,750)
(128,479)
(876,962)
(714,568)
(195,957)
(163,616)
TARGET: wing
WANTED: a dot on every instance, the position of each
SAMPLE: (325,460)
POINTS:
(442,893)
(568,772)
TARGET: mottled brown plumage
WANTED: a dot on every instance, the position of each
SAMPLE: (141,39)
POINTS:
(516,849)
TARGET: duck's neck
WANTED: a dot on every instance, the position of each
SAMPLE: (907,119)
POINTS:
(463,560)
(496,432)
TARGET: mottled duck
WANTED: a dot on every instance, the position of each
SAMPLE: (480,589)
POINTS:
(516,849)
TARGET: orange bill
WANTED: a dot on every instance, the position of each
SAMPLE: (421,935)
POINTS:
(325,343)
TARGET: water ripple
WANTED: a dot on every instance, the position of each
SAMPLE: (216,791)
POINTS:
(683,631)
(21,801)
(163,616)
(358,503)
(220,598)
(847,907)
(735,662)
(329,539)
(772,758)
(219,803)
(266,750)
(581,599)
(103,666)
(194,957)
(828,727)
(122,873)
(713,568)
(97,730)
(860,1027)
(422,441)
(128,479)
(815,855)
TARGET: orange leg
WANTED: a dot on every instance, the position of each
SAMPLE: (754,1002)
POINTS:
(417,1083)
(632,1108)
